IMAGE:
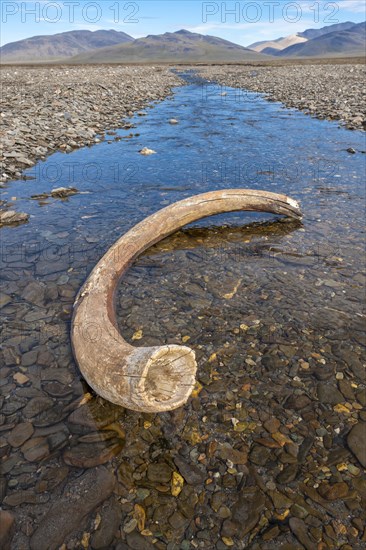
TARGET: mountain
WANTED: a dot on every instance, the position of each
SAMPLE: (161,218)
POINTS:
(277,47)
(60,46)
(309,34)
(278,44)
(351,41)
(180,46)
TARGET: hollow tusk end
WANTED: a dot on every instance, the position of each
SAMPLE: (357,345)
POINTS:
(167,379)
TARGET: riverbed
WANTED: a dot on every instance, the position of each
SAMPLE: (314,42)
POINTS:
(261,456)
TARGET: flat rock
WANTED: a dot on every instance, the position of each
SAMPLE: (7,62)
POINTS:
(67,512)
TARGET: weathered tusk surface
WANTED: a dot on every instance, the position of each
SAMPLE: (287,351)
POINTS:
(152,379)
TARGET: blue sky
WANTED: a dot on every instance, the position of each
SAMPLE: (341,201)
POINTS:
(242,22)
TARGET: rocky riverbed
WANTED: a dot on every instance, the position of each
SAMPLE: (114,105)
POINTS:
(48,108)
(269,453)
(333,92)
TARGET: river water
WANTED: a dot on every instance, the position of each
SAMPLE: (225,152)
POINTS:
(274,310)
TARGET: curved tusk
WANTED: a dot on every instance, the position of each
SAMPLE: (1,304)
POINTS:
(152,379)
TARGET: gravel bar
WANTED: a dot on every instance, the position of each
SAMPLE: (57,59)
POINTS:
(333,92)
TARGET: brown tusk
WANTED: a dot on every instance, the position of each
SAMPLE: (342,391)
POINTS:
(152,379)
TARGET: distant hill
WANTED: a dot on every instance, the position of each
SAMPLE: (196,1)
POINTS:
(278,44)
(60,46)
(309,34)
(180,46)
(351,41)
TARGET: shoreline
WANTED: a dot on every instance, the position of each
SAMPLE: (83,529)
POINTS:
(327,92)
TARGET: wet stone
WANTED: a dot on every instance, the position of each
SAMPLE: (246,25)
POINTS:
(96,414)
(333,491)
(25,497)
(36,449)
(191,473)
(356,441)
(234,455)
(288,474)
(136,541)
(329,394)
(110,522)
(297,402)
(20,434)
(7,524)
(86,455)
(259,455)
(301,530)
(246,511)
(67,511)
(159,473)
(34,293)
(36,406)
(272,425)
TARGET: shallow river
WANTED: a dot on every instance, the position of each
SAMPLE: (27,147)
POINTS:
(273,309)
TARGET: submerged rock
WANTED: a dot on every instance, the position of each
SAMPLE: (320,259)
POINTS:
(67,512)
(357,442)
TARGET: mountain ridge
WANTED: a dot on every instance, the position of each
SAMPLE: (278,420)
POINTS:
(179,46)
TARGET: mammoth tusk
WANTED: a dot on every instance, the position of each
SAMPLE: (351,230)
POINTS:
(148,379)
